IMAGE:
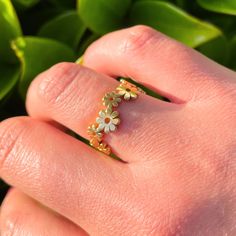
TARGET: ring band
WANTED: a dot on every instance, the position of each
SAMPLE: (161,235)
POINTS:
(108,119)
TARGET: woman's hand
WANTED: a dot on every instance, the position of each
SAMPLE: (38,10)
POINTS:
(180,172)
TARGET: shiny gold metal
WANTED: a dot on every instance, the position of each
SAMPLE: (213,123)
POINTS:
(111,99)
(103,147)
(108,119)
(128,90)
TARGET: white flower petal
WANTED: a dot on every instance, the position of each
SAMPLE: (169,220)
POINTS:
(121,92)
(112,127)
(133,95)
(102,113)
(127,96)
(116,121)
(114,114)
(107,129)
(100,127)
(99,120)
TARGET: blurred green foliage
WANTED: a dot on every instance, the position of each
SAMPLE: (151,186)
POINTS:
(35,34)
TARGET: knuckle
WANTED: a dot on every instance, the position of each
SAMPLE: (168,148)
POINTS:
(57,80)
(10,132)
(137,38)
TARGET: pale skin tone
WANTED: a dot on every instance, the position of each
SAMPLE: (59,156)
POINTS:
(179,171)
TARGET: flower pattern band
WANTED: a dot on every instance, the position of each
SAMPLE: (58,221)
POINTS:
(108,118)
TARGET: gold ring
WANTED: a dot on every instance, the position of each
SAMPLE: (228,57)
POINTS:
(108,119)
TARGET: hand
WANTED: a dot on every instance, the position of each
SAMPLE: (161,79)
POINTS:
(180,172)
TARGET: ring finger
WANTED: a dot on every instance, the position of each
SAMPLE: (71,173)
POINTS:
(71,95)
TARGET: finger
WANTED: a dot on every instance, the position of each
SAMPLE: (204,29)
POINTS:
(22,216)
(71,95)
(62,173)
(163,64)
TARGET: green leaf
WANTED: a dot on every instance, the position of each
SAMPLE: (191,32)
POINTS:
(220,6)
(67,28)
(36,55)
(233,53)
(24,4)
(173,21)
(225,22)
(9,30)
(216,49)
(103,16)
(9,77)
(3,115)
(181,3)
(64,4)
(40,15)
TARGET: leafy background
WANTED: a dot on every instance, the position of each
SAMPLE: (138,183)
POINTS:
(36,34)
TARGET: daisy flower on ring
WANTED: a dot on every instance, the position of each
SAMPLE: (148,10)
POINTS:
(128,90)
(111,99)
(107,120)
(103,147)
(93,131)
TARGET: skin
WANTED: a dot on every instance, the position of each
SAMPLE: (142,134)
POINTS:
(179,170)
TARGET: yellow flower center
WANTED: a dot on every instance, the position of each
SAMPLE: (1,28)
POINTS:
(128,90)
